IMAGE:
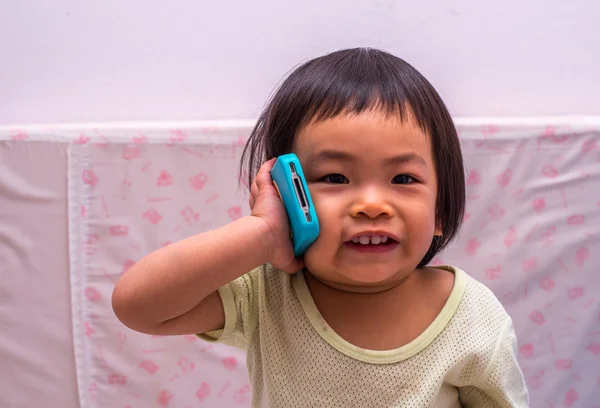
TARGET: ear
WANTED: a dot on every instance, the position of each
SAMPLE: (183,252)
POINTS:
(437,232)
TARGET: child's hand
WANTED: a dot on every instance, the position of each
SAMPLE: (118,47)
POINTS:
(266,204)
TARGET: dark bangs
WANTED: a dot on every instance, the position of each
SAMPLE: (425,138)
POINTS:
(351,82)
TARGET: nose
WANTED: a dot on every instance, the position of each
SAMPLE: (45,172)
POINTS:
(371,204)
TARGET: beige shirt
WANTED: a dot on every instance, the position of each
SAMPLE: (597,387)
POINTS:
(466,357)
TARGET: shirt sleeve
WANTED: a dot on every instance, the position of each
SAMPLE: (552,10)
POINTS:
(241,312)
(502,384)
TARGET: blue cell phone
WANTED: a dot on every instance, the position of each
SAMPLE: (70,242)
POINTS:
(289,180)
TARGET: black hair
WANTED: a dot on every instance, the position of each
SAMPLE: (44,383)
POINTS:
(353,81)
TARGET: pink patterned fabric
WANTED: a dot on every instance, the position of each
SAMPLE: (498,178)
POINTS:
(530,234)
(129,199)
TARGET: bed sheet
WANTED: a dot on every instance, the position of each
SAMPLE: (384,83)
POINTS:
(530,234)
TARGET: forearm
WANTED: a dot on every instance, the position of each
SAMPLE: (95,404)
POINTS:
(172,280)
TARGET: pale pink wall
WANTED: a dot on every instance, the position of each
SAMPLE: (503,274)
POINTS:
(73,61)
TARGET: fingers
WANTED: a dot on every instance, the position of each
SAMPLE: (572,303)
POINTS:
(254,189)
(253,194)
(262,181)
(263,178)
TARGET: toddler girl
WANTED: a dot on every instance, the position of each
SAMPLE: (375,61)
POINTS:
(360,320)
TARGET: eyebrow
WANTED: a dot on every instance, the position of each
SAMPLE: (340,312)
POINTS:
(328,155)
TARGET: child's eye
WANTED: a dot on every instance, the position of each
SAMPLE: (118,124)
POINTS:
(335,179)
(403,179)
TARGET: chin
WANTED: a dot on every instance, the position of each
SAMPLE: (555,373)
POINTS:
(368,275)
(364,275)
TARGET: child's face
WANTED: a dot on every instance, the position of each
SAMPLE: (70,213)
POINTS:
(369,176)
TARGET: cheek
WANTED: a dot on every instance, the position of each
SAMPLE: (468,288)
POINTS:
(320,251)
(422,222)
(328,213)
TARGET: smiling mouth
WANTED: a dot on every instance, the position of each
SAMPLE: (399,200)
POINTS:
(374,243)
(372,240)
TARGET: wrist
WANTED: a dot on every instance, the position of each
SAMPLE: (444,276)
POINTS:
(264,237)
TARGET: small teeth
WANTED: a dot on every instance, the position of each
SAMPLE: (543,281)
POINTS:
(365,239)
